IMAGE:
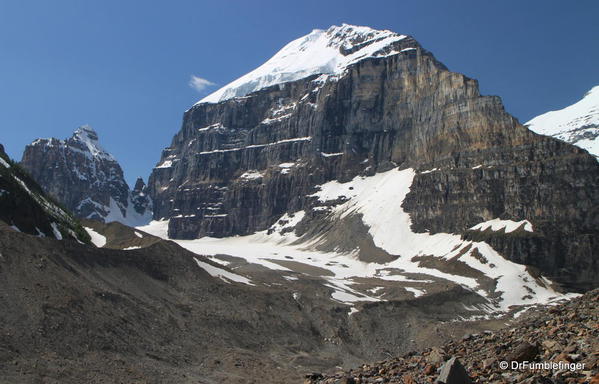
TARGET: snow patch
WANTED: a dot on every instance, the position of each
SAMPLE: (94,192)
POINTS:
(222,274)
(165,164)
(506,225)
(97,239)
(56,231)
(251,175)
(89,138)
(416,292)
(331,154)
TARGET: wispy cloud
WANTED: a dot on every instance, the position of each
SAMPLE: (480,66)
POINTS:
(199,84)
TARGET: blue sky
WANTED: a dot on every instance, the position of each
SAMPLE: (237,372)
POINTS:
(124,67)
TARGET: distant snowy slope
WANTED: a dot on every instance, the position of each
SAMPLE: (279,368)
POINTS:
(320,52)
(577,124)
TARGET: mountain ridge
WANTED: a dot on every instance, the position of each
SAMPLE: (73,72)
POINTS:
(320,52)
(576,124)
(88,180)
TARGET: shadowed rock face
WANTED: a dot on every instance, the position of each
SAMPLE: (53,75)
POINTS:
(139,197)
(235,167)
(26,208)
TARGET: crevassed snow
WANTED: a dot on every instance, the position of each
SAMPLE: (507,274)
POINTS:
(222,274)
(506,225)
(318,52)
(577,124)
(97,239)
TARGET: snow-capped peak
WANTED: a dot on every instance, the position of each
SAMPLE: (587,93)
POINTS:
(577,124)
(319,52)
(87,136)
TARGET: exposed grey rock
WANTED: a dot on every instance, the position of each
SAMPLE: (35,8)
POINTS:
(524,352)
(436,356)
(453,372)
(570,323)
(140,198)
(85,178)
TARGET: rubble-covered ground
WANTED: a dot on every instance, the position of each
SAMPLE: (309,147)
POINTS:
(567,335)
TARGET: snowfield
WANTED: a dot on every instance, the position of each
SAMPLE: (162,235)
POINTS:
(577,124)
(319,52)
(97,239)
(378,199)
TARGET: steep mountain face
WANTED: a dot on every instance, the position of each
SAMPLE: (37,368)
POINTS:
(258,155)
(576,124)
(86,179)
(26,208)
(140,199)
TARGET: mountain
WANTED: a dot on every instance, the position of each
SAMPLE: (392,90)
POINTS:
(576,124)
(356,144)
(86,179)
(24,207)
(363,202)
(320,52)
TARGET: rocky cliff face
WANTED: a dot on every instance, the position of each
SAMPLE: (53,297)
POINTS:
(140,199)
(241,161)
(86,179)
